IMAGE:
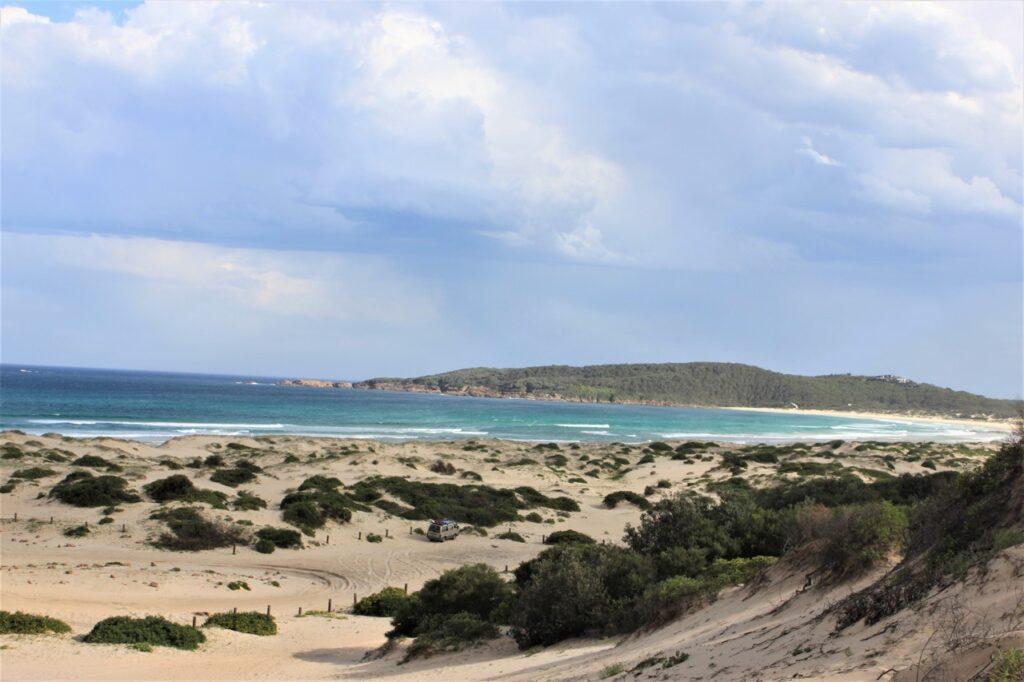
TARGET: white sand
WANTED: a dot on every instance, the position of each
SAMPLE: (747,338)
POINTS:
(44,572)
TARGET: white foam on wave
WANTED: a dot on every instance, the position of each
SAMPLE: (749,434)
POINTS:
(584,426)
(169,425)
(598,433)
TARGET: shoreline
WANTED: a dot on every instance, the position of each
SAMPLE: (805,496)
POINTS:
(996,425)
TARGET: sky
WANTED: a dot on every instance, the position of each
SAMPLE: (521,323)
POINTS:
(353,190)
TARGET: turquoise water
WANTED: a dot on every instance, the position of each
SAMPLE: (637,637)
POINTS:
(156,406)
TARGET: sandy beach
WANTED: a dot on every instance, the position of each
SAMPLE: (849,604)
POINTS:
(116,571)
(993,424)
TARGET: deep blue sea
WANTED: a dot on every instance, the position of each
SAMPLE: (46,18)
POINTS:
(156,406)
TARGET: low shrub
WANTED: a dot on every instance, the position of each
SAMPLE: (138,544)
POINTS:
(105,520)
(214,461)
(249,622)
(246,501)
(76,531)
(264,546)
(534,517)
(33,473)
(181,489)
(190,531)
(374,537)
(82,489)
(476,589)
(510,535)
(19,623)
(850,540)
(385,603)
(233,477)
(574,589)
(283,538)
(151,630)
(612,499)
(170,464)
(95,462)
(1007,666)
(443,633)
(236,585)
(442,467)
(561,537)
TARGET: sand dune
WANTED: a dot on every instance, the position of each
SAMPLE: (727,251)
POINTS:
(776,631)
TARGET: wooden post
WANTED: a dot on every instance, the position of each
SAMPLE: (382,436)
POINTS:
(300,610)
(268,609)
(410,530)
(15,516)
(506,568)
(355,598)
(386,533)
(234,610)
(232,549)
(328,539)
(124,528)
(329,604)
(51,520)
(360,535)
(406,588)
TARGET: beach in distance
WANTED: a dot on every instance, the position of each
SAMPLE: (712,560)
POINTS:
(154,406)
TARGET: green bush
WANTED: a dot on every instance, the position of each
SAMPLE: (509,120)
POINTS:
(264,546)
(283,538)
(612,499)
(214,461)
(249,622)
(386,603)
(82,489)
(180,488)
(19,623)
(95,462)
(33,473)
(151,630)
(8,487)
(443,633)
(233,477)
(246,501)
(1007,666)
(236,585)
(575,589)
(474,588)
(510,535)
(312,505)
(854,539)
(561,537)
(76,531)
(190,531)
(374,537)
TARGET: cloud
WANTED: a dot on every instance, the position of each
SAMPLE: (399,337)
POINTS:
(315,285)
(808,150)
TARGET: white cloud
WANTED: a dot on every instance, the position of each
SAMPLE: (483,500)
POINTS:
(316,285)
(808,150)
(586,243)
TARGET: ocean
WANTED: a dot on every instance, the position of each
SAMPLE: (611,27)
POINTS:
(157,406)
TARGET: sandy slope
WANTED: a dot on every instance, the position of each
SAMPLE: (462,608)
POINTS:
(116,572)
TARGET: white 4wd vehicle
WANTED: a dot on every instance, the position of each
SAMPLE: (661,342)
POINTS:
(442,529)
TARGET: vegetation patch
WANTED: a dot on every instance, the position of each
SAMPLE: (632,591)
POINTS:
(190,531)
(247,501)
(282,538)
(560,537)
(33,473)
(249,622)
(233,477)
(510,535)
(181,489)
(386,603)
(612,499)
(82,489)
(152,630)
(19,623)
